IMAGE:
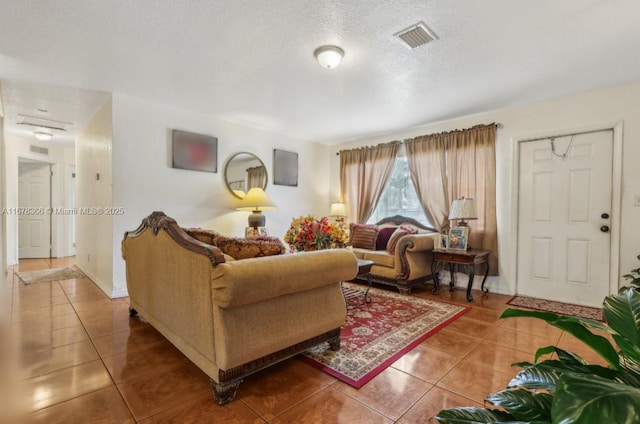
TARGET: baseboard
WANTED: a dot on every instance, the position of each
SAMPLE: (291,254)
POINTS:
(112,294)
(119,293)
(462,279)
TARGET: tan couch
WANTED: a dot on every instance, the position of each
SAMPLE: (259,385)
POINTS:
(233,317)
(410,264)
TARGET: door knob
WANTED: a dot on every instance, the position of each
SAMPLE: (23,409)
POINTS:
(604,228)
(604,216)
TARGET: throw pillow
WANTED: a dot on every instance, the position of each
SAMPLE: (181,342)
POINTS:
(363,236)
(396,236)
(203,235)
(384,234)
(240,248)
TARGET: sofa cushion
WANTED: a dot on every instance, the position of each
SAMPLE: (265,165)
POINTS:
(384,234)
(363,236)
(359,253)
(396,236)
(380,257)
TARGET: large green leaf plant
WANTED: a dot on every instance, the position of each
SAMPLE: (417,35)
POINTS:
(567,389)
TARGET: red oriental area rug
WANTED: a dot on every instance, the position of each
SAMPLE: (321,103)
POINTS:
(556,307)
(376,334)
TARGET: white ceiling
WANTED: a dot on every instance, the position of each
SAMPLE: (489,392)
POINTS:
(251,61)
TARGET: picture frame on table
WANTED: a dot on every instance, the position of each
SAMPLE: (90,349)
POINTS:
(441,242)
(459,238)
(251,232)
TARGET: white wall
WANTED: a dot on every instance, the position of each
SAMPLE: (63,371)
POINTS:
(143,180)
(59,157)
(3,230)
(587,110)
(94,231)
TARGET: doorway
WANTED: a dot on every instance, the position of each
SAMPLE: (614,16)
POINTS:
(565,217)
(34,209)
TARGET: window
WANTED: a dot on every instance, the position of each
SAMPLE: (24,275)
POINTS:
(399,195)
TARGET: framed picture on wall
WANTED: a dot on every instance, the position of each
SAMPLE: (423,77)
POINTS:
(196,152)
(458,238)
(285,168)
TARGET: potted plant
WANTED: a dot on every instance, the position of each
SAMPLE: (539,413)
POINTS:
(567,389)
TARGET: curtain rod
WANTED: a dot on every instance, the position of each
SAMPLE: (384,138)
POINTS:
(497,124)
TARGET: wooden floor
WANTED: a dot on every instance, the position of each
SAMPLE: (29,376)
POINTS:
(78,357)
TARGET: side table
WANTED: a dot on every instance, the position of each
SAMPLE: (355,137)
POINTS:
(467,259)
(364,270)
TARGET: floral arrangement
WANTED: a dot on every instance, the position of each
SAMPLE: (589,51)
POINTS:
(310,233)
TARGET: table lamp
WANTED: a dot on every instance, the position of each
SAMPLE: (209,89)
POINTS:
(256,201)
(462,209)
(339,211)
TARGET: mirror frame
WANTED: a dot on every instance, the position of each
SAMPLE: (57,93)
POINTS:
(226,169)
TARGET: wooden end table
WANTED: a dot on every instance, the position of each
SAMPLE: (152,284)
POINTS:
(467,259)
(364,270)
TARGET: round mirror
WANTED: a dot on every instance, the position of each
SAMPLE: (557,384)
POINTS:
(244,171)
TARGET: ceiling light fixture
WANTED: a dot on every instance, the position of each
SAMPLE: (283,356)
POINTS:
(329,56)
(43,135)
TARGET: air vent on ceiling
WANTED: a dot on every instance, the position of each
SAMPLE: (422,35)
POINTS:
(38,149)
(416,35)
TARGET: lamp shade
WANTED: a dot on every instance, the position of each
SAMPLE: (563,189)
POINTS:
(338,209)
(463,209)
(329,56)
(256,200)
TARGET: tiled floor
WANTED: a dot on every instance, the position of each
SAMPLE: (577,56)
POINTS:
(80,358)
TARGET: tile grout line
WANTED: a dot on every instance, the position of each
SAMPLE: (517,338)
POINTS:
(100,355)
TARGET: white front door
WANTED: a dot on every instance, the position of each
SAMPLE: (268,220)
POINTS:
(34,221)
(564,211)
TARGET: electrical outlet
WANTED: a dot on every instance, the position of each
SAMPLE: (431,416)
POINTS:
(636,200)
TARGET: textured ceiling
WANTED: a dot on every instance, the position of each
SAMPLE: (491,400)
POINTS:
(252,61)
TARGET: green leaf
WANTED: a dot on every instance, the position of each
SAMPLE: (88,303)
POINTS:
(576,327)
(545,374)
(622,312)
(473,415)
(562,354)
(523,404)
(544,351)
(566,356)
(591,400)
(536,377)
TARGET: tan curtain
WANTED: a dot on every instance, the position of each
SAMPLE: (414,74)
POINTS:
(364,172)
(256,177)
(457,164)
(427,153)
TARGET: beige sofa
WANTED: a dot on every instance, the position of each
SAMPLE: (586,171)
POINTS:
(233,317)
(410,263)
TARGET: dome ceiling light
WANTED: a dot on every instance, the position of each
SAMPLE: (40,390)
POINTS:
(43,135)
(329,56)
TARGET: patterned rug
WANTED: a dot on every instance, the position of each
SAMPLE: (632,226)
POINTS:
(557,307)
(54,274)
(376,334)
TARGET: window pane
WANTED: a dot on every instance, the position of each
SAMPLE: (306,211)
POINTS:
(399,196)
